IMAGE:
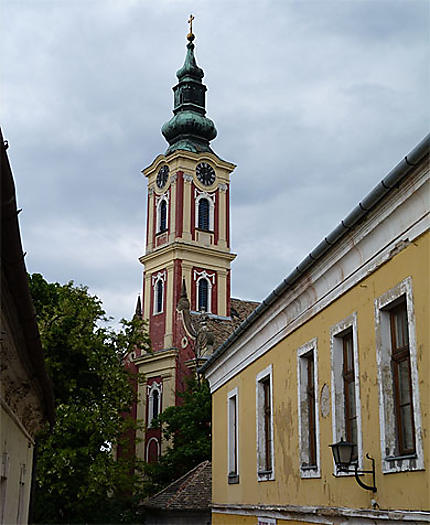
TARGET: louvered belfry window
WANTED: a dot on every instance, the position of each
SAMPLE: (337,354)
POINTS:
(163,216)
(159,298)
(203,296)
(203,214)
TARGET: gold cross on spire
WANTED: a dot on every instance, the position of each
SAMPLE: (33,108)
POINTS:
(190,35)
(190,21)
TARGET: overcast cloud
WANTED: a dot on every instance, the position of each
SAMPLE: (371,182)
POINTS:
(314,101)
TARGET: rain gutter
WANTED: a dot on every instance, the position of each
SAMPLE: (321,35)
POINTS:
(384,187)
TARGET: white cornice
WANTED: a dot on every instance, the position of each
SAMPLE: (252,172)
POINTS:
(393,225)
(178,154)
(180,248)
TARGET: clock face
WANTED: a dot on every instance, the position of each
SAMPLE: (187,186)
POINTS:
(162,176)
(205,173)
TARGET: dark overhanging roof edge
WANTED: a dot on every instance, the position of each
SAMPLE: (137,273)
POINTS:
(357,213)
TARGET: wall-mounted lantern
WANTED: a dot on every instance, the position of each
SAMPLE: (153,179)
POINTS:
(343,454)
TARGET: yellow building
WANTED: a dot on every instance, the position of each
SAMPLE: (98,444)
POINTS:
(338,352)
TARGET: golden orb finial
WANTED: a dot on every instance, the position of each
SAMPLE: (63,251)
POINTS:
(190,35)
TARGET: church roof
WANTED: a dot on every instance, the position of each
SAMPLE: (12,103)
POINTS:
(221,327)
(192,492)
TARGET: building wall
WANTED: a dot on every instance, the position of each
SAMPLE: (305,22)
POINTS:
(408,490)
(16,456)
(392,246)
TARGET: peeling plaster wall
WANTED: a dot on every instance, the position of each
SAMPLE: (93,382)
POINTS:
(403,490)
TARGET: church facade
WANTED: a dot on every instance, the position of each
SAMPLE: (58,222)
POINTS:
(187,260)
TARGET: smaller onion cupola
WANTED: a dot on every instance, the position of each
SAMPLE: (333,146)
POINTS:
(189,129)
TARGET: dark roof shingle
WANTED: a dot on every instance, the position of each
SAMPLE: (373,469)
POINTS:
(193,491)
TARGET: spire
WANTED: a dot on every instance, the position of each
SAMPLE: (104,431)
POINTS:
(138,311)
(189,129)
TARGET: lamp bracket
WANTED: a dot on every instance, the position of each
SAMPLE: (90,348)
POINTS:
(357,473)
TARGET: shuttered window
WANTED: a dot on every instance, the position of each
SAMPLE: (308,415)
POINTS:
(163,216)
(203,222)
(203,295)
(159,297)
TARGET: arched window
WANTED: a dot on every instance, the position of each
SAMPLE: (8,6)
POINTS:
(203,222)
(203,295)
(155,403)
(162,216)
(152,450)
(158,299)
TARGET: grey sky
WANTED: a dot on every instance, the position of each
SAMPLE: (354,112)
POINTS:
(314,101)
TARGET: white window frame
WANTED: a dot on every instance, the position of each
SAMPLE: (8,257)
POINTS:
(164,197)
(233,436)
(267,475)
(211,200)
(337,390)
(302,380)
(160,276)
(147,448)
(387,421)
(151,389)
(209,309)
(210,277)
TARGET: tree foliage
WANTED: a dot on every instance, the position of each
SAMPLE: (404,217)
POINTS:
(78,479)
(187,427)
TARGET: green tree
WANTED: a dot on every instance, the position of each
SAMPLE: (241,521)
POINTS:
(187,427)
(78,479)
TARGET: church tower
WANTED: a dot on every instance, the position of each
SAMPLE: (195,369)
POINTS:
(187,241)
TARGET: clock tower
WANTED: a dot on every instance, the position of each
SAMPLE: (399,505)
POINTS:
(187,247)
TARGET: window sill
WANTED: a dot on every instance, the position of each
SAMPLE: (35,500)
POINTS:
(309,471)
(308,467)
(233,479)
(400,458)
(161,232)
(265,475)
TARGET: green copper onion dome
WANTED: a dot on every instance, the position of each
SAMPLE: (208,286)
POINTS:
(189,129)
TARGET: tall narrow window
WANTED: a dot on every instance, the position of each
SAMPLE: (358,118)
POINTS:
(159,292)
(310,400)
(203,222)
(154,402)
(267,414)
(203,295)
(399,400)
(233,433)
(308,410)
(163,216)
(401,366)
(265,460)
(348,375)
(346,385)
